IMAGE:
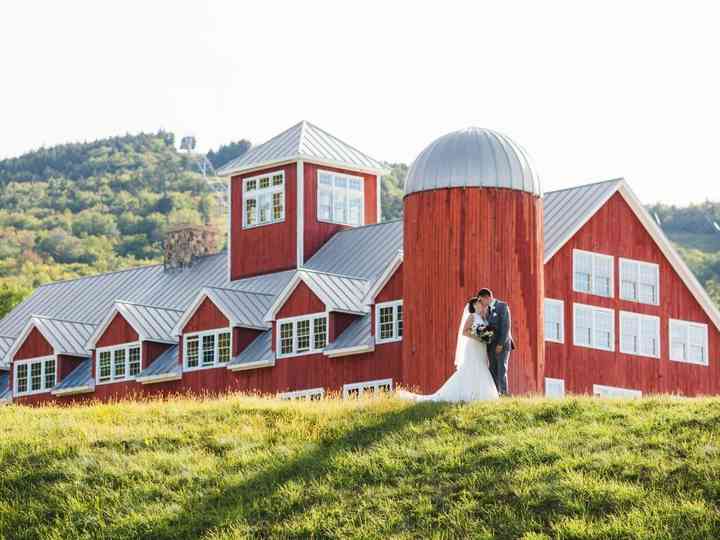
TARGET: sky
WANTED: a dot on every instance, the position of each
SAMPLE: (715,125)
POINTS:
(592,91)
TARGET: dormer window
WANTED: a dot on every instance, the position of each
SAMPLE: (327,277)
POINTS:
(264,199)
(340,198)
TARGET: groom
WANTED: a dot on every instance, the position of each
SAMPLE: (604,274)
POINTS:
(498,316)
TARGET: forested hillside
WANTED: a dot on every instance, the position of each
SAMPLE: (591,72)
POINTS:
(83,208)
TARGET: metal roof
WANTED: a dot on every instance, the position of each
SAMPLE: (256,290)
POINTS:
(80,377)
(472,157)
(566,210)
(152,323)
(259,350)
(243,308)
(167,363)
(303,141)
(65,337)
(5,390)
(355,335)
(5,345)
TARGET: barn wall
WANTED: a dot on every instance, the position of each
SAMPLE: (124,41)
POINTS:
(393,289)
(302,301)
(151,350)
(268,248)
(34,346)
(206,317)
(66,365)
(338,323)
(615,230)
(118,331)
(242,337)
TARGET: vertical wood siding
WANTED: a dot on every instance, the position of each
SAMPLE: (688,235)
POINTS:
(118,331)
(34,346)
(206,317)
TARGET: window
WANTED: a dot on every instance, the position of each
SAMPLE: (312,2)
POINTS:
(614,391)
(340,198)
(388,321)
(639,282)
(355,390)
(311,394)
(554,320)
(264,199)
(35,376)
(594,327)
(302,335)
(592,273)
(207,349)
(639,334)
(118,363)
(688,342)
(554,387)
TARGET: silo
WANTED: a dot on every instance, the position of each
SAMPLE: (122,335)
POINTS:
(472,219)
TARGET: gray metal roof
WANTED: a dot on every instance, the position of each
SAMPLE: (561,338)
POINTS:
(566,210)
(5,344)
(338,292)
(66,337)
(150,322)
(303,141)
(5,390)
(243,308)
(80,377)
(167,363)
(90,299)
(472,157)
(355,335)
(259,350)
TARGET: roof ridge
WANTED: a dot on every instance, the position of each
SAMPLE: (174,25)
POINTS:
(358,278)
(238,290)
(618,179)
(61,320)
(339,140)
(119,301)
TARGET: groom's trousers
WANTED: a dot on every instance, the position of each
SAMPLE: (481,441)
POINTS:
(499,367)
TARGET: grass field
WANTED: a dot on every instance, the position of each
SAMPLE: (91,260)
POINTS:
(246,467)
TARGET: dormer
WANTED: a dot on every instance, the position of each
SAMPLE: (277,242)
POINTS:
(290,194)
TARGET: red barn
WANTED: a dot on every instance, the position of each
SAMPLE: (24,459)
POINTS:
(315,294)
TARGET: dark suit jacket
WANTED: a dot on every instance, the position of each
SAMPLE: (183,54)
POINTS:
(499,317)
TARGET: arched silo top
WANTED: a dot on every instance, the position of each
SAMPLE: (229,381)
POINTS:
(472,157)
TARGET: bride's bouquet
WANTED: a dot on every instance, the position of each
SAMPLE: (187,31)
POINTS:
(484,332)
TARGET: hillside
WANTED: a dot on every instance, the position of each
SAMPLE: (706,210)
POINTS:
(245,467)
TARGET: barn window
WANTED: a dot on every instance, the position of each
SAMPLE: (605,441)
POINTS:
(639,334)
(688,342)
(311,394)
(340,198)
(264,199)
(355,390)
(594,327)
(614,391)
(207,349)
(554,387)
(119,363)
(592,273)
(639,281)
(306,334)
(35,376)
(388,321)
(554,320)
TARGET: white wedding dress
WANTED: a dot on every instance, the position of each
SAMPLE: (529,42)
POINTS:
(472,380)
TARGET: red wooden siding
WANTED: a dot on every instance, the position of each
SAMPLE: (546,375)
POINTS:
(615,230)
(316,232)
(338,323)
(242,337)
(118,331)
(206,317)
(66,365)
(393,289)
(34,346)
(151,350)
(470,238)
(267,248)
(302,301)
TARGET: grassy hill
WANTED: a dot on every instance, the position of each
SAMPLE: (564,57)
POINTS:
(246,467)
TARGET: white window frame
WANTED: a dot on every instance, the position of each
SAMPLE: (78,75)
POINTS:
(549,382)
(688,324)
(592,329)
(595,257)
(365,386)
(111,350)
(561,339)
(397,321)
(639,265)
(640,317)
(216,354)
(347,199)
(294,321)
(602,390)
(255,194)
(308,394)
(28,362)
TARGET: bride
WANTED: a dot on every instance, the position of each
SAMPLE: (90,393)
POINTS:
(472,380)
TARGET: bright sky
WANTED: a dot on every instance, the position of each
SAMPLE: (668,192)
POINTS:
(591,91)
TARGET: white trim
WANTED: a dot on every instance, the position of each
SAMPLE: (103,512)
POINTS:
(73,390)
(348,351)
(640,317)
(562,320)
(296,394)
(365,385)
(595,255)
(311,317)
(639,264)
(615,391)
(252,365)
(397,334)
(111,349)
(559,382)
(164,377)
(384,278)
(592,345)
(271,189)
(216,349)
(706,343)
(300,225)
(347,223)
(310,159)
(29,362)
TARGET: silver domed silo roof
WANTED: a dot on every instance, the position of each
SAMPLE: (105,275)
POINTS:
(473,157)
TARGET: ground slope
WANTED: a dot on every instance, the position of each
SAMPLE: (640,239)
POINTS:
(247,467)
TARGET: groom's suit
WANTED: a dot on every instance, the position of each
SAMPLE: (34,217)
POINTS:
(499,318)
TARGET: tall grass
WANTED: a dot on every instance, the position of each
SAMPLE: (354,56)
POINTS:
(249,467)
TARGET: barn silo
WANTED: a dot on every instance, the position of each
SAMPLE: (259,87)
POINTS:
(472,219)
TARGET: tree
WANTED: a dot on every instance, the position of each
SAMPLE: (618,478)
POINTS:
(10,296)
(228,152)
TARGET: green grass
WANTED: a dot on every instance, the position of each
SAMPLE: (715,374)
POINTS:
(247,467)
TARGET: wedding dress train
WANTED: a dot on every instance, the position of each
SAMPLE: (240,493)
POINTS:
(472,380)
